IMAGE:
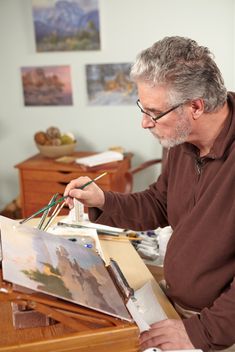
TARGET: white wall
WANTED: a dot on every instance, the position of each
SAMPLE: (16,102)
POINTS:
(127,26)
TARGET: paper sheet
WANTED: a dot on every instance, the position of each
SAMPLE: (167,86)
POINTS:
(146,310)
(100,158)
(137,316)
(86,223)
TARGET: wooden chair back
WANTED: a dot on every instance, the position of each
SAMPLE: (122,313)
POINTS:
(129,175)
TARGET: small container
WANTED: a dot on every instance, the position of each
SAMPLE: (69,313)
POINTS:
(79,210)
(164,236)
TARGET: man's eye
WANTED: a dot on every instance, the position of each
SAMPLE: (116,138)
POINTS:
(155,112)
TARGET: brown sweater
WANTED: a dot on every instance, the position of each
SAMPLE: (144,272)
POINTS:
(196,196)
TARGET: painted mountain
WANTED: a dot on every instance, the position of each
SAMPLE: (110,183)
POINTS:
(64,25)
(56,266)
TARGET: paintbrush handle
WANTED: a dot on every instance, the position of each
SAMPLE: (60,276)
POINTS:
(43,209)
(91,181)
(55,213)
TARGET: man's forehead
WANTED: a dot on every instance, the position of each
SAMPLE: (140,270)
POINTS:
(152,96)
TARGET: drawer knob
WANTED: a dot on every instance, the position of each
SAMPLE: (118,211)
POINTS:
(63,183)
(64,172)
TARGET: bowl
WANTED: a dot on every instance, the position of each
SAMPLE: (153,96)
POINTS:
(56,151)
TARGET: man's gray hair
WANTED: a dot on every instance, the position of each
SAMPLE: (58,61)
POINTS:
(185,68)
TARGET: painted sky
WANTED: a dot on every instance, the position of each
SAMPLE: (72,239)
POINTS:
(87,5)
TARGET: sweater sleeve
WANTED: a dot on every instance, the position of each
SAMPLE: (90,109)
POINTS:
(214,328)
(137,211)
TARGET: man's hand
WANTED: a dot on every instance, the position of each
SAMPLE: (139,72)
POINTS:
(91,196)
(169,334)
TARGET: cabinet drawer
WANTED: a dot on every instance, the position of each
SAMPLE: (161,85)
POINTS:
(42,187)
(35,196)
(59,176)
(38,197)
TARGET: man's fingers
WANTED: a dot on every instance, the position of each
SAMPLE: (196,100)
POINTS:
(168,334)
(152,338)
(76,183)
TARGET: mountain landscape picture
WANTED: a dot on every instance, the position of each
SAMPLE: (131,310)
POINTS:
(66,25)
(54,265)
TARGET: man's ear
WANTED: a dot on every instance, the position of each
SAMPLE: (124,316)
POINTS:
(197,108)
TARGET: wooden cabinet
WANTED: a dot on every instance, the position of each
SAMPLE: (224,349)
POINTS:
(42,177)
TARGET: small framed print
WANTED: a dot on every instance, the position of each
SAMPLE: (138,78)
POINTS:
(47,85)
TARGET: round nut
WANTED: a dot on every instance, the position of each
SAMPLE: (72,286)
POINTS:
(53,132)
(40,138)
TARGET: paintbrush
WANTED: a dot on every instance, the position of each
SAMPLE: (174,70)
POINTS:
(60,200)
(46,212)
(54,214)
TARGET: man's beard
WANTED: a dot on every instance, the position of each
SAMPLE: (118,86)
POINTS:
(181,133)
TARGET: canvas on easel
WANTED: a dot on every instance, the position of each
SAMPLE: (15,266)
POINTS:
(56,266)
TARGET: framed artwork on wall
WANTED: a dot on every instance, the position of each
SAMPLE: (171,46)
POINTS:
(109,84)
(47,85)
(66,25)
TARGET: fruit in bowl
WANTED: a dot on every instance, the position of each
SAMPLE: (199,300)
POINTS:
(54,144)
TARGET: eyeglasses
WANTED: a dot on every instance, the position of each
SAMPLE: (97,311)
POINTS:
(154,117)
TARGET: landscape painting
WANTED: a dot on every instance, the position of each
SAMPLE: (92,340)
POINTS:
(109,84)
(53,265)
(66,25)
(47,85)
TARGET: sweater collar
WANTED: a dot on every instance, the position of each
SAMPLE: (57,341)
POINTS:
(225,137)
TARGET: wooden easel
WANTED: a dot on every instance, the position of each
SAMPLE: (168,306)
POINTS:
(103,330)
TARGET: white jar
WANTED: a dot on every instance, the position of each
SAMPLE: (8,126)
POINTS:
(79,210)
(163,238)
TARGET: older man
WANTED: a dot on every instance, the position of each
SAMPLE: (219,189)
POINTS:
(184,103)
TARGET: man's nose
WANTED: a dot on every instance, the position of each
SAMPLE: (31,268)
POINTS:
(147,122)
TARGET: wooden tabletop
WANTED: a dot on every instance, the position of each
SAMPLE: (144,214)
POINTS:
(42,163)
